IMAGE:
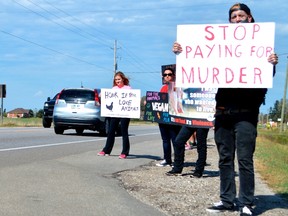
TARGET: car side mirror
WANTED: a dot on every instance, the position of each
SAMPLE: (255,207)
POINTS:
(48,99)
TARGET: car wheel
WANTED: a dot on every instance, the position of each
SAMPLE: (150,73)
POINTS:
(58,130)
(107,124)
(46,122)
(79,131)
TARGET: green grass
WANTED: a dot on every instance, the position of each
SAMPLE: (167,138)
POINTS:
(37,122)
(275,136)
(271,160)
(21,122)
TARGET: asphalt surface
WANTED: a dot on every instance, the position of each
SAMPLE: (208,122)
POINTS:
(42,174)
(75,184)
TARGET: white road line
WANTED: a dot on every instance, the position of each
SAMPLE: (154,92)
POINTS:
(65,143)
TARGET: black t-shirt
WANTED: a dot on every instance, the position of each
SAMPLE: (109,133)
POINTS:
(241,98)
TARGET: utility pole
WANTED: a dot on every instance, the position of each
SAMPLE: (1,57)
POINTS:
(284,100)
(2,95)
(115,56)
(2,110)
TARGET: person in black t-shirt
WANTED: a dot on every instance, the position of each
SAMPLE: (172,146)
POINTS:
(236,120)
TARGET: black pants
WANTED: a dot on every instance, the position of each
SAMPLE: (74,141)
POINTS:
(179,151)
(168,133)
(233,135)
(114,122)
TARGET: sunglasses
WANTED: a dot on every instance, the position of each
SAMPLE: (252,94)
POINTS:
(170,74)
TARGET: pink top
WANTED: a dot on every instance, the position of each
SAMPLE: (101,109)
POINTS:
(123,87)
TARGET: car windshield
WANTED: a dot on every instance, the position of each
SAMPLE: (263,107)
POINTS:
(69,94)
(54,98)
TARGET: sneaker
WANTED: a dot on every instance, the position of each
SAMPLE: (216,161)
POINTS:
(174,172)
(246,211)
(102,153)
(219,207)
(163,163)
(194,144)
(122,156)
(196,174)
(187,146)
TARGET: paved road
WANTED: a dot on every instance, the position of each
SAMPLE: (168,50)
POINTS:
(43,174)
(46,174)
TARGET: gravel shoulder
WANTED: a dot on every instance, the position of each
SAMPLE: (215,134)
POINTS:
(183,195)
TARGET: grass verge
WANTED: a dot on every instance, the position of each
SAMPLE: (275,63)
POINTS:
(21,122)
(37,122)
(271,161)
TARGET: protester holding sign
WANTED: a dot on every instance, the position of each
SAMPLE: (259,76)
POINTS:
(236,119)
(120,82)
(168,132)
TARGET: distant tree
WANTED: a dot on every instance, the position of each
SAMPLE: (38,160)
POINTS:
(4,112)
(31,113)
(275,112)
(142,103)
(263,118)
(40,113)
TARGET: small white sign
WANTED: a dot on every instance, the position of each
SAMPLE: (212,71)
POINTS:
(121,103)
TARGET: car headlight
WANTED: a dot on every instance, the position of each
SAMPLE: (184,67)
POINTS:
(46,105)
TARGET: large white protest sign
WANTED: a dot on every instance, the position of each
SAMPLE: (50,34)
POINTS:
(225,55)
(120,103)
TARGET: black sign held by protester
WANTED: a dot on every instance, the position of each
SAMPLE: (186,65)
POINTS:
(157,107)
(194,107)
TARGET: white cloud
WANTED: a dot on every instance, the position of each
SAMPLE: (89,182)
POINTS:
(282,28)
(38,94)
(39,58)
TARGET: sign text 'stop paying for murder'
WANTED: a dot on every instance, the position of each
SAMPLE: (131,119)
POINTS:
(225,55)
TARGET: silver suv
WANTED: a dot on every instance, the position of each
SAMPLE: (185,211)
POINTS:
(79,109)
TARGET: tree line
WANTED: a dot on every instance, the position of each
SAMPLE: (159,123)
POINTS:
(274,113)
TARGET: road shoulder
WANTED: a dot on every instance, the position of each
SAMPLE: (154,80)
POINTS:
(183,195)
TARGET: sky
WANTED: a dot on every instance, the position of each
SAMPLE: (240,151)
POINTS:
(48,45)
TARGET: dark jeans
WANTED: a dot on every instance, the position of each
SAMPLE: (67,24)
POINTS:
(113,126)
(179,151)
(168,133)
(233,135)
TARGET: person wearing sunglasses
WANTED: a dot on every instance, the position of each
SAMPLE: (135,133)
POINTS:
(168,132)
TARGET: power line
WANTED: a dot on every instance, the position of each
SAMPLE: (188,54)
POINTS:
(133,56)
(78,20)
(53,50)
(125,9)
(137,62)
(115,48)
(140,62)
(78,33)
(153,8)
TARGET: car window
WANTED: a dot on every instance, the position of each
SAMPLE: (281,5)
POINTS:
(54,98)
(71,94)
